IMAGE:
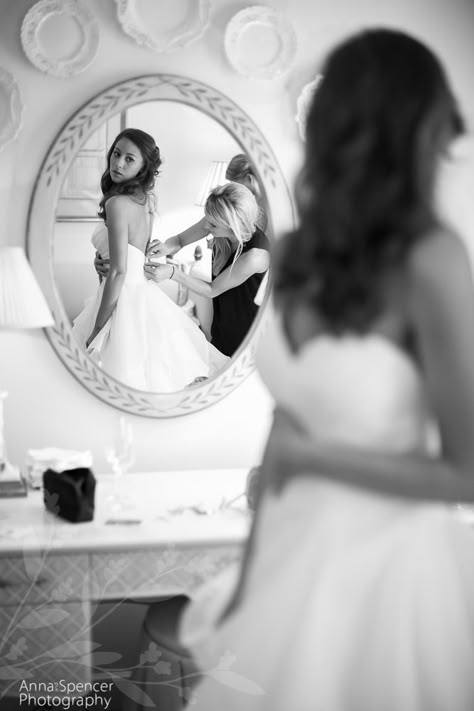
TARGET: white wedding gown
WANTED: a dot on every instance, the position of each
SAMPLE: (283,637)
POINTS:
(149,343)
(354,601)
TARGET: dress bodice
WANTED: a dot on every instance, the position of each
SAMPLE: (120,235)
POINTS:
(135,257)
(100,240)
(354,390)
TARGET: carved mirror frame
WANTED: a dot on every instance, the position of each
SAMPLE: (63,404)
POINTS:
(41,220)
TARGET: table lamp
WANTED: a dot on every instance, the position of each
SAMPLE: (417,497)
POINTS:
(22,306)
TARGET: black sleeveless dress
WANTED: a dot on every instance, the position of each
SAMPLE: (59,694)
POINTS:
(235,309)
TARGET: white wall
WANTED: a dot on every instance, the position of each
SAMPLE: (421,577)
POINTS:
(46,406)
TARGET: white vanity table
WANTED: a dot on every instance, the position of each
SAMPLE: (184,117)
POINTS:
(53,573)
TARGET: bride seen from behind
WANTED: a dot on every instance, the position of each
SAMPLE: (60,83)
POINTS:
(357,587)
(132,329)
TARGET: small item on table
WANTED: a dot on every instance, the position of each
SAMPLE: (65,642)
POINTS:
(70,494)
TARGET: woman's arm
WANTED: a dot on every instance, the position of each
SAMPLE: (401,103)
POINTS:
(252,262)
(173,244)
(291,452)
(443,308)
(117,224)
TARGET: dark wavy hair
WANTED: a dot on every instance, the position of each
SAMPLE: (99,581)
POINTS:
(143,184)
(379,121)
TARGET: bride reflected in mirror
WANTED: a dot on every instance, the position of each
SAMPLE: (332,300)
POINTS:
(131,328)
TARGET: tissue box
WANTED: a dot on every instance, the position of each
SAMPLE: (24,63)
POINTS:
(40,460)
(70,494)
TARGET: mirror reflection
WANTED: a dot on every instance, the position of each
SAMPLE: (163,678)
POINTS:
(160,286)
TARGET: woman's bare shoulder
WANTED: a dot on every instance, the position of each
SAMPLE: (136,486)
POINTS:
(123,204)
(440,278)
(256,258)
(118,203)
(438,257)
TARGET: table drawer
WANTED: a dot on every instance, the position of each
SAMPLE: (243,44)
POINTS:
(168,572)
(33,578)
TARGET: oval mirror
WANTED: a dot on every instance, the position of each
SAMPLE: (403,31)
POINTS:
(197,129)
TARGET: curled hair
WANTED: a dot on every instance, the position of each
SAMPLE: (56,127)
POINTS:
(143,183)
(230,206)
(377,126)
(240,169)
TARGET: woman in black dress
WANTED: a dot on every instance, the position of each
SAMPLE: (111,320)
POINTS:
(240,258)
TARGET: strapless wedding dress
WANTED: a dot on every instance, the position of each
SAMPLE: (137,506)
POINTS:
(354,601)
(148,343)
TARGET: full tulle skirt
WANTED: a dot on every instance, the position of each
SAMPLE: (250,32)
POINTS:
(149,343)
(354,602)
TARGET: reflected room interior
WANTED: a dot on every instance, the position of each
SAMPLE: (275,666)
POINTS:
(195,150)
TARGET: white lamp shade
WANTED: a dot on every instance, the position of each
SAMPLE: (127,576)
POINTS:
(215,176)
(22,305)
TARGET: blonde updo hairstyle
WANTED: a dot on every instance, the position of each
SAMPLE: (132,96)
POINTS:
(230,206)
